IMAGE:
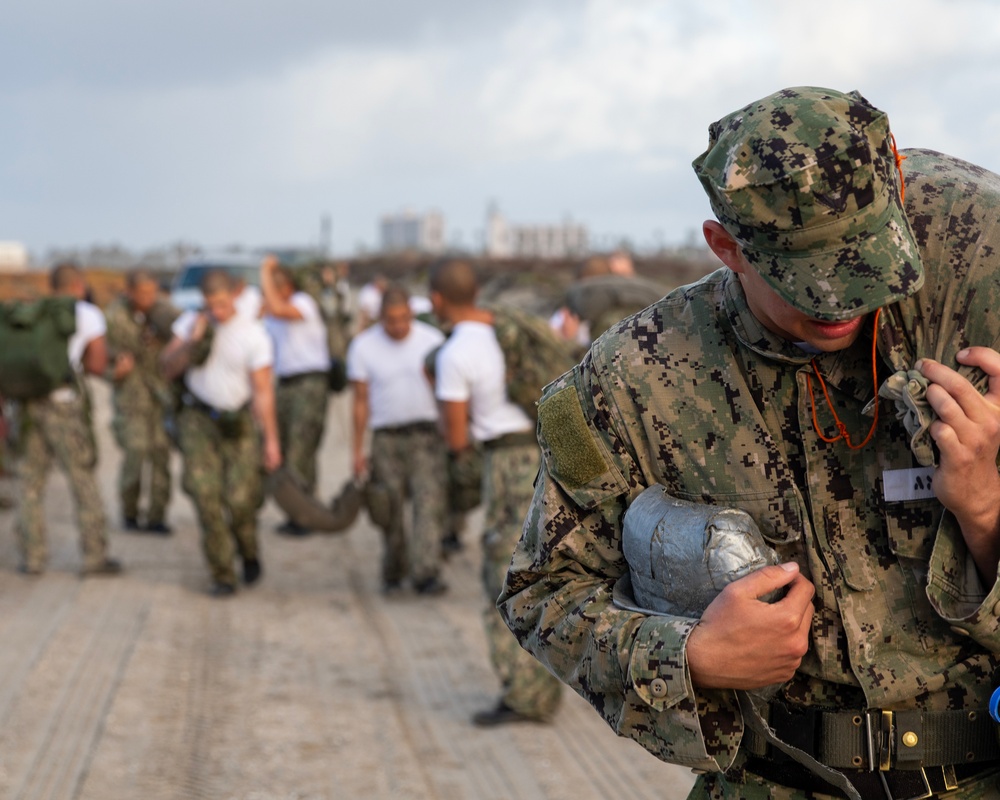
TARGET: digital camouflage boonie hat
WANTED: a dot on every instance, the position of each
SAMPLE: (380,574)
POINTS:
(806,181)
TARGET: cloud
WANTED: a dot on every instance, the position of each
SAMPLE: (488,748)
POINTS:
(171,43)
(225,121)
(638,78)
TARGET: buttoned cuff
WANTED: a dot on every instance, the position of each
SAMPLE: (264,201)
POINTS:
(658,667)
(664,713)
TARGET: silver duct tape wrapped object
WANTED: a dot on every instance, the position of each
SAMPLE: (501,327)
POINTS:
(682,554)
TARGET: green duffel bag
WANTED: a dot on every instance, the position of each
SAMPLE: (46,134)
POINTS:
(34,346)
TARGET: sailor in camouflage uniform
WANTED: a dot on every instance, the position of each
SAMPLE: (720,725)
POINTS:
(838,380)
(59,427)
(138,327)
(224,396)
(301,365)
(471,385)
(392,396)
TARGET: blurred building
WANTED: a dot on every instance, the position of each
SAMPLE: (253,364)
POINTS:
(504,240)
(421,233)
(13,257)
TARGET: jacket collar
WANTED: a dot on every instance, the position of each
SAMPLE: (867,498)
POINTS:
(849,370)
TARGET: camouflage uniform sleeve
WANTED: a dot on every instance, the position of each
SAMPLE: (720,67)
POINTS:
(117,336)
(957,592)
(558,596)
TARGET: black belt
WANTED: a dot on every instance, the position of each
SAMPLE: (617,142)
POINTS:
(518,439)
(888,753)
(190,401)
(411,427)
(883,740)
(893,784)
(290,380)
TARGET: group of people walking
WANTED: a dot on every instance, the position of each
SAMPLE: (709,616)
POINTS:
(241,386)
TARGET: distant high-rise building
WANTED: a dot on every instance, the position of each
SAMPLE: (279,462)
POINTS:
(499,237)
(13,257)
(422,233)
(504,240)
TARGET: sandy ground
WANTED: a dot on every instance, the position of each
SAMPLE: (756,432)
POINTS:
(310,685)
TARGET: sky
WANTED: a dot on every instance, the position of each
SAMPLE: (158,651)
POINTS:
(225,122)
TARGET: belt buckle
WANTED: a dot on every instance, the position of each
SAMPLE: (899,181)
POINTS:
(880,726)
(879,739)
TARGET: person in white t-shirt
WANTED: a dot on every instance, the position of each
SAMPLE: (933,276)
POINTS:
(223,397)
(471,385)
(393,397)
(59,427)
(302,367)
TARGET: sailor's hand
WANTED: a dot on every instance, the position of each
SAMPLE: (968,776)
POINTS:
(200,327)
(967,435)
(967,431)
(742,642)
(272,454)
(124,364)
(360,466)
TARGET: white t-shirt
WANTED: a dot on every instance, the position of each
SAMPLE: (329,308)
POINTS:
(299,344)
(470,368)
(249,301)
(240,347)
(398,390)
(370,300)
(90,325)
(420,304)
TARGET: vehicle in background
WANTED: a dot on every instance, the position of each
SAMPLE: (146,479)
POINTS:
(294,257)
(185,292)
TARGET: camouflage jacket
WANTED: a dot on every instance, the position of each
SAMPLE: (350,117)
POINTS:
(695,394)
(142,336)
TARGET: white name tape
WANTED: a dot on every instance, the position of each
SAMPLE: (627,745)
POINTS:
(899,485)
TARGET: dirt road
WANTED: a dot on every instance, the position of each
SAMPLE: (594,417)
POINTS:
(310,685)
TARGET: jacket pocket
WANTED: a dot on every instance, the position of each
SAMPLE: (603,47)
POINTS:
(849,544)
(778,516)
(911,527)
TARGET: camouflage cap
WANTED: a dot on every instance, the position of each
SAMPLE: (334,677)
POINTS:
(806,181)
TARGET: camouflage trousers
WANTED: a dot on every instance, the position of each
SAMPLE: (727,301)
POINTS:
(222,477)
(62,431)
(715,787)
(141,433)
(301,410)
(508,477)
(410,463)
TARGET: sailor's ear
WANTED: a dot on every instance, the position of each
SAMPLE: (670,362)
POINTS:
(721,242)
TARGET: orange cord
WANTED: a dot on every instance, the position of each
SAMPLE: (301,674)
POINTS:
(841,428)
(899,166)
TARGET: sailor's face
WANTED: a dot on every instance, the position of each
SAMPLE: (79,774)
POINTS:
(143,295)
(396,320)
(788,322)
(221,306)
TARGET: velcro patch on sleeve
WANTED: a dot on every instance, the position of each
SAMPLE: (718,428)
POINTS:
(575,457)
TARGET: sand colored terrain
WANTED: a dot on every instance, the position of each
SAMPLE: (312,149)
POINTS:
(310,685)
